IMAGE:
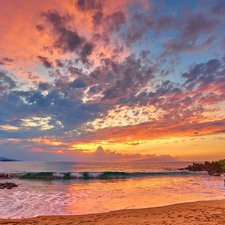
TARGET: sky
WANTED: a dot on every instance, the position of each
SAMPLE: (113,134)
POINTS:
(121,80)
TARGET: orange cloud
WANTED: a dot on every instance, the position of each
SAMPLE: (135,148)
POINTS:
(37,150)
(152,131)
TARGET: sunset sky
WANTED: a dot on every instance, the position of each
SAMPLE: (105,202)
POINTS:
(141,79)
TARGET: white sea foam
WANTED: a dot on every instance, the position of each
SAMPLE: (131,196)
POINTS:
(95,175)
(33,201)
(77,175)
(201,172)
(58,174)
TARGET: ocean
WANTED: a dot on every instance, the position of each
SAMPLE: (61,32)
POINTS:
(72,188)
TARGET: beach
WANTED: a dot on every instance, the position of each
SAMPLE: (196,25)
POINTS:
(201,212)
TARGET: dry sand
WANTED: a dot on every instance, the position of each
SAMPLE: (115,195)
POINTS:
(202,212)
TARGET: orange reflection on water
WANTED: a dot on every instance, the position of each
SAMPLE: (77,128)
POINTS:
(102,196)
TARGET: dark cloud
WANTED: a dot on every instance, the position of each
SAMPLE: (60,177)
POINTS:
(187,41)
(97,18)
(5,60)
(45,61)
(59,63)
(74,71)
(85,5)
(217,10)
(167,87)
(104,38)
(67,40)
(40,27)
(164,73)
(149,22)
(198,24)
(114,22)
(55,19)
(133,34)
(78,83)
(43,86)
(118,50)
(6,82)
(223,43)
(87,50)
(137,18)
(126,77)
(166,22)
(144,54)
(206,72)
(31,77)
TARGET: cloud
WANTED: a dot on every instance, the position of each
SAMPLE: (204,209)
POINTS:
(195,26)
(66,40)
(43,86)
(45,61)
(207,77)
(120,82)
(78,83)
(126,76)
(6,82)
(152,131)
(217,10)
(5,61)
(165,22)
(133,34)
(223,43)
(97,19)
(207,69)
(40,27)
(86,5)
(86,51)
(114,21)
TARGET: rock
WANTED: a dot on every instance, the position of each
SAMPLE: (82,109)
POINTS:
(4,176)
(213,168)
(8,185)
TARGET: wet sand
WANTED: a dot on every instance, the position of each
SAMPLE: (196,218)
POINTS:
(202,212)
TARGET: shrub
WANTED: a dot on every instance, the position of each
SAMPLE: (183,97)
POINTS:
(222,163)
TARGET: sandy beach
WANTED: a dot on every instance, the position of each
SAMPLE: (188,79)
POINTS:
(202,212)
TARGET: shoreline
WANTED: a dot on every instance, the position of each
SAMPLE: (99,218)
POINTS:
(198,212)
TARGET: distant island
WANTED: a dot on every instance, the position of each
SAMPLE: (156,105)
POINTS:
(214,168)
(4,159)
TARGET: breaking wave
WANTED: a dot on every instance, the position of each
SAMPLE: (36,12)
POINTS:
(90,175)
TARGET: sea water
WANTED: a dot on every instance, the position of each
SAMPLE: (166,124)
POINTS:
(72,188)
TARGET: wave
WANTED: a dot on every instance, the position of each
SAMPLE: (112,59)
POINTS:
(90,175)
